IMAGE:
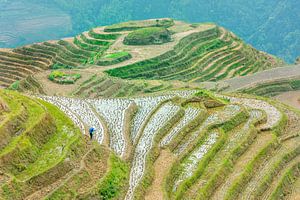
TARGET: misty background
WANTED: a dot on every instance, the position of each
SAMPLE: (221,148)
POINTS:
(269,25)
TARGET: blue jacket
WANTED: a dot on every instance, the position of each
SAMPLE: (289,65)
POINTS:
(91,130)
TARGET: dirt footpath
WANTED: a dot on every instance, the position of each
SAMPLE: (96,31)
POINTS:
(161,167)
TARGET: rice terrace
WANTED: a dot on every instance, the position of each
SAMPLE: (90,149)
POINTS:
(150,109)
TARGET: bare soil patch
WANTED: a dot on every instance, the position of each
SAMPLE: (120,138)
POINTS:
(52,88)
(295,195)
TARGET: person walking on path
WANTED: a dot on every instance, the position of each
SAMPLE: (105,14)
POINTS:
(91,132)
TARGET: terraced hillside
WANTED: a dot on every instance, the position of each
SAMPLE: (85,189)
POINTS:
(212,54)
(274,88)
(278,75)
(43,155)
(87,48)
(157,135)
(193,53)
(109,87)
(216,147)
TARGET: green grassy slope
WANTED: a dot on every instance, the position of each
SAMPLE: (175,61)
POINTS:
(148,36)
(42,152)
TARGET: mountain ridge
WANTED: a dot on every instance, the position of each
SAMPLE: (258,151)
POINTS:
(243,18)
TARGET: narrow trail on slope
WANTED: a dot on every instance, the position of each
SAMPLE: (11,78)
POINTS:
(50,189)
(261,140)
(161,168)
(105,141)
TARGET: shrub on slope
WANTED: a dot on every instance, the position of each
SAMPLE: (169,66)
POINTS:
(147,36)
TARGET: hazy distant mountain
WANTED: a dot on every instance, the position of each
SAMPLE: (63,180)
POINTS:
(24,22)
(270,25)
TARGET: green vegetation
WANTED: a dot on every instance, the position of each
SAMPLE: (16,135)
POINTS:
(115,181)
(116,55)
(147,36)
(31,84)
(48,148)
(284,42)
(61,66)
(155,150)
(94,41)
(114,58)
(274,88)
(223,150)
(85,46)
(33,147)
(284,186)
(14,86)
(209,55)
(63,78)
(209,99)
(21,62)
(95,35)
(222,130)
(109,87)
(251,167)
(278,36)
(278,166)
(189,143)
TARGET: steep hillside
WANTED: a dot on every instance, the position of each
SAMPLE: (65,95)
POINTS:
(195,53)
(180,144)
(43,155)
